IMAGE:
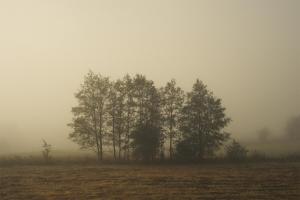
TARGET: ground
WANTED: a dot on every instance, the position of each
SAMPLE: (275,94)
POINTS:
(207,181)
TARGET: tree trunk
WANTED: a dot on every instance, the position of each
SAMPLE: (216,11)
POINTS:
(114,137)
(96,137)
(119,144)
(101,137)
(171,147)
(127,136)
(101,150)
(171,136)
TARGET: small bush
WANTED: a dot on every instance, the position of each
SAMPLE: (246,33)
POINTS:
(46,151)
(236,152)
(186,150)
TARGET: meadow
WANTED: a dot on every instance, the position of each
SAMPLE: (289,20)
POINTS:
(272,180)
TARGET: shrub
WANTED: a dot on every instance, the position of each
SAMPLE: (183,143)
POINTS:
(46,151)
(186,150)
(146,141)
(236,152)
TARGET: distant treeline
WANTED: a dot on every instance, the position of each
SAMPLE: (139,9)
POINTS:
(136,120)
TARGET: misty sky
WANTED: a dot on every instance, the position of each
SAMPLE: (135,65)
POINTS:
(247,52)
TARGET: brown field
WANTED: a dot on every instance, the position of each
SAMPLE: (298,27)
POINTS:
(208,181)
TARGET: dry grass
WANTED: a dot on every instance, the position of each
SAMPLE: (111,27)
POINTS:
(247,181)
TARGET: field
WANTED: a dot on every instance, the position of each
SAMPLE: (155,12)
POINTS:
(207,181)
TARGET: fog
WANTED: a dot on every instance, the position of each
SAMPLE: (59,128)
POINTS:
(247,52)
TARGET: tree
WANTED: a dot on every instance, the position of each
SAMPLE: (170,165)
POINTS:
(148,116)
(236,152)
(146,141)
(144,94)
(129,114)
(172,98)
(112,110)
(186,149)
(90,116)
(116,112)
(125,114)
(202,120)
(120,89)
(293,128)
(46,150)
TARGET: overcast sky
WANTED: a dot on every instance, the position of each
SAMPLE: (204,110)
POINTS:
(247,52)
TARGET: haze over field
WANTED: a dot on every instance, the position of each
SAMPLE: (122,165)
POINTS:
(247,52)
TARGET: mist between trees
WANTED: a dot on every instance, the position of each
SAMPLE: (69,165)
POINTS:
(138,121)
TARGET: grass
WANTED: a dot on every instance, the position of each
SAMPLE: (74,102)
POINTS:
(209,181)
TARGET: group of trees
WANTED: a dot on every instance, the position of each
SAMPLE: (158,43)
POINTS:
(134,119)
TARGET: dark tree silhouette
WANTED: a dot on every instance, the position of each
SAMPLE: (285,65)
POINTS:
(129,113)
(116,122)
(146,141)
(202,120)
(147,103)
(172,98)
(136,119)
(236,152)
(90,116)
(120,125)
(112,110)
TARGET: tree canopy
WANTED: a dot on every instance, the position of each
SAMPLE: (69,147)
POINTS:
(131,118)
(202,121)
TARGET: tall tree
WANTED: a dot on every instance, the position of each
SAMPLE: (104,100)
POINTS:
(147,103)
(90,115)
(129,114)
(116,112)
(112,110)
(120,89)
(202,120)
(172,98)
